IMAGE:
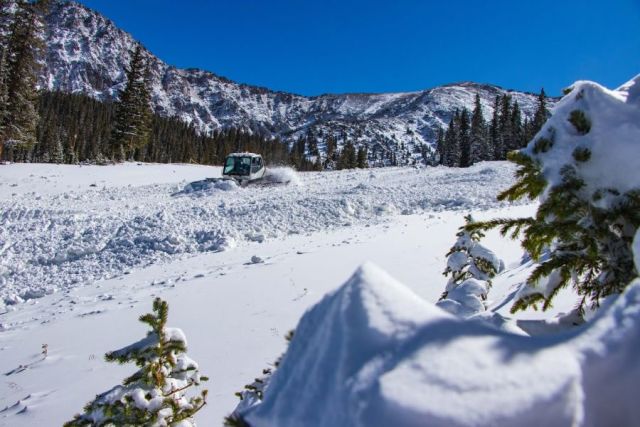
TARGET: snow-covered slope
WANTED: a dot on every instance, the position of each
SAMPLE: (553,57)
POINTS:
(87,54)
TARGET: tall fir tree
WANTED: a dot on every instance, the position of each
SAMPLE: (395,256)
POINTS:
(464,137)
(6,18)
(132,127)
(516,130)
(504,126)
(479,147)
(541,115)
(495,139)
(452,142)
(362,161)
(440,147)
(24,50)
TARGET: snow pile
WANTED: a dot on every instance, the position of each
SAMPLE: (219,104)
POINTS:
(374,354)
(466,299)
(59,231)
(611,134)
(206,186)
(282,175)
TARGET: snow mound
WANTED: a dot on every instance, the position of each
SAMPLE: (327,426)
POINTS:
(612,137)
(282,175)
(57,232)
(203,187)
(373,354)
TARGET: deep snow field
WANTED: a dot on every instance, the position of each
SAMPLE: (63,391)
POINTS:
(84,249)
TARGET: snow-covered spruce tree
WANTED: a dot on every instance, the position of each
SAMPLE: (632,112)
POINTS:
(584,166)
(156,394)
(468,258)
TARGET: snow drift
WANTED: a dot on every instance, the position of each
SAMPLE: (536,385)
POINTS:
(374,354)
(86,223)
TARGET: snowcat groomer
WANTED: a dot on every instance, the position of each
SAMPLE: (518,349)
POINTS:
(244,167)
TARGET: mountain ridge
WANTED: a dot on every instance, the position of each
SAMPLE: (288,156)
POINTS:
(87,53)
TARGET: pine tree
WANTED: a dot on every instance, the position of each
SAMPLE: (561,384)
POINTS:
(479,147)
(541,115)
(452,142)
(6,19)
(494,131)
(132,125)
(470,266)
(464,138)
(505,127)
(347,158)
(23,52)
(362,158)
(580,238)
(156,393)
(467,258)
(516,130)
(440,147)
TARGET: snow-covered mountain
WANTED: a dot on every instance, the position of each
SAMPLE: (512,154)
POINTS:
(87,54)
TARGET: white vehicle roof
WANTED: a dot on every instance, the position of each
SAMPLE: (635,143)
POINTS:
(243,155)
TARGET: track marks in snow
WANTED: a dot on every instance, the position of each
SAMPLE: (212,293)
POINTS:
(53,241)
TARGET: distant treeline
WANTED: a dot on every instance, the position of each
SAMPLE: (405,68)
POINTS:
(76,128)
(470,139)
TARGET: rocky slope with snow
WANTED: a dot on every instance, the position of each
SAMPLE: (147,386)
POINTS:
(87,54)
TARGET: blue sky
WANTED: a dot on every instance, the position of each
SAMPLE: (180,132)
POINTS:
(331,46)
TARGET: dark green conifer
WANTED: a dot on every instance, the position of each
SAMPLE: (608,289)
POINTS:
(479,147)
(132,126)
(464,138)
(24,49)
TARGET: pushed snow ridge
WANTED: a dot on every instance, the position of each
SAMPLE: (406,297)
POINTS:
(374,354)
(142,214)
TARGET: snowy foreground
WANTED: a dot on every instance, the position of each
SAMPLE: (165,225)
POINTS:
(240,266)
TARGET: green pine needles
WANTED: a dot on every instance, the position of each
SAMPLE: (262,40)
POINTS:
(155,394)
(579,238)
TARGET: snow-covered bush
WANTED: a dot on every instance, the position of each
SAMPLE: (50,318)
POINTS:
(584,165)
(470,266)
(467,258)
(154,395)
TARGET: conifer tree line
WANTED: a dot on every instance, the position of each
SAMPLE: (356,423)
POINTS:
(21,51)
(469,138)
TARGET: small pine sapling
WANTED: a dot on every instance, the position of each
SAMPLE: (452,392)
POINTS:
(467,258)
(471,266)
(156,394)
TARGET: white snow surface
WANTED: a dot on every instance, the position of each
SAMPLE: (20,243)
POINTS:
(374,354)
(63,226)
(233,312)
